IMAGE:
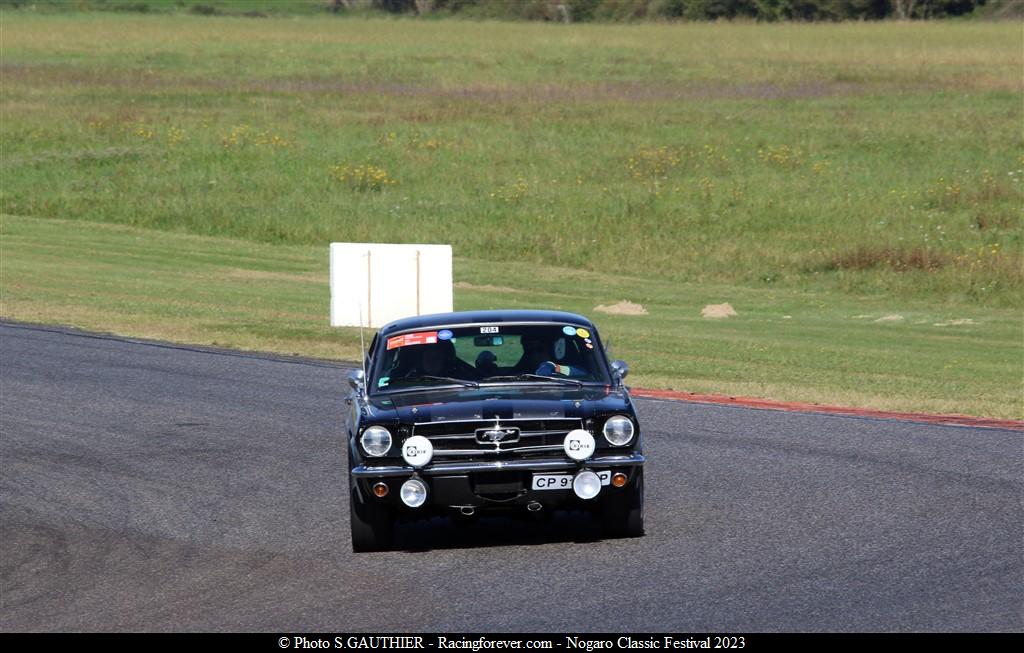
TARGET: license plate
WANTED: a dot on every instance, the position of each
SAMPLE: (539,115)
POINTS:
(563,481)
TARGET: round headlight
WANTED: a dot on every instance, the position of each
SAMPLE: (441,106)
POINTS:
(417,451)
(414,492)
(586,485)
(618,430)
(376,441)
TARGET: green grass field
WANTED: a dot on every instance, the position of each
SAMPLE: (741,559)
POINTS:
(179,176)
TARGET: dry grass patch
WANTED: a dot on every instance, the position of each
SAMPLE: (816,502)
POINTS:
(465,285)
(869,257)
(263,275)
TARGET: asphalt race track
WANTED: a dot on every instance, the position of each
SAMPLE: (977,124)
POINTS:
(155,487)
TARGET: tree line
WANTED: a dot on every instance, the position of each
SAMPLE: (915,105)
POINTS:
(626,10)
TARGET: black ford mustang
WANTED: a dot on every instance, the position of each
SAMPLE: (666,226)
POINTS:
(467,413)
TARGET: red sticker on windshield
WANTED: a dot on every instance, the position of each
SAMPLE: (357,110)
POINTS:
(421,338)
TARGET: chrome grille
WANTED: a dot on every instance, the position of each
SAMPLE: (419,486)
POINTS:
(522,436)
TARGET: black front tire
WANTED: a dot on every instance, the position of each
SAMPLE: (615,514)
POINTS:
(373,527)
(623,512)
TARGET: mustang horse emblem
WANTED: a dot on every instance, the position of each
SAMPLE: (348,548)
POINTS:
(497,434)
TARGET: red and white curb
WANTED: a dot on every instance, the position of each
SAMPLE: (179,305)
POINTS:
(793,406)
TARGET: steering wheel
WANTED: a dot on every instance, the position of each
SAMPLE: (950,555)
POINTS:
(549,368)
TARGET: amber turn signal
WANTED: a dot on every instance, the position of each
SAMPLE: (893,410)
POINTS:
(381,490)
(618,480)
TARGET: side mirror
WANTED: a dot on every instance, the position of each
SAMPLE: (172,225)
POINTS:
(356,379)
(620,369)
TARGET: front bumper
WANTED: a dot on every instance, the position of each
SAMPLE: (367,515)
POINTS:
(490,485)
(538,465)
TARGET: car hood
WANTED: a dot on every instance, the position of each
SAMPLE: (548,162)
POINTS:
(503,402)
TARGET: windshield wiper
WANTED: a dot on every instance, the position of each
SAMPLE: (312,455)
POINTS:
(540,377)
(450,379)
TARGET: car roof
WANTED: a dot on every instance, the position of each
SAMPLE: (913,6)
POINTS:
(483,317)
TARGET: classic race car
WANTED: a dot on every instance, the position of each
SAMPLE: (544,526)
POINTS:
(479,412)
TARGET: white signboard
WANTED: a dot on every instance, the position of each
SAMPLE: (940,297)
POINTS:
(382,283)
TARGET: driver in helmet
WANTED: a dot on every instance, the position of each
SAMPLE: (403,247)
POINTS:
(542,355)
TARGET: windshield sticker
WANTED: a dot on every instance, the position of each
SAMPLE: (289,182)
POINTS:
(444,334)
(488,329)
(383,381)
(590,346)
(583,333)
(421,338)
(569,331)
(586,340)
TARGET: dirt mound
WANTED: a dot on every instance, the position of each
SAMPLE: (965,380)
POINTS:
(718,311)
(622,308)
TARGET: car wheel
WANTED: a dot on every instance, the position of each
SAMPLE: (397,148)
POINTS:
(372,527)
(623,511)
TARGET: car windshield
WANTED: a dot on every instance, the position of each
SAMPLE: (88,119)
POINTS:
(489,354)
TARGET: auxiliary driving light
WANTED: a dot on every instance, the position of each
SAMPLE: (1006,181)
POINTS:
(414,493)
(586,485)
(417,451)
(578,444)
(380,490)
(619,480)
